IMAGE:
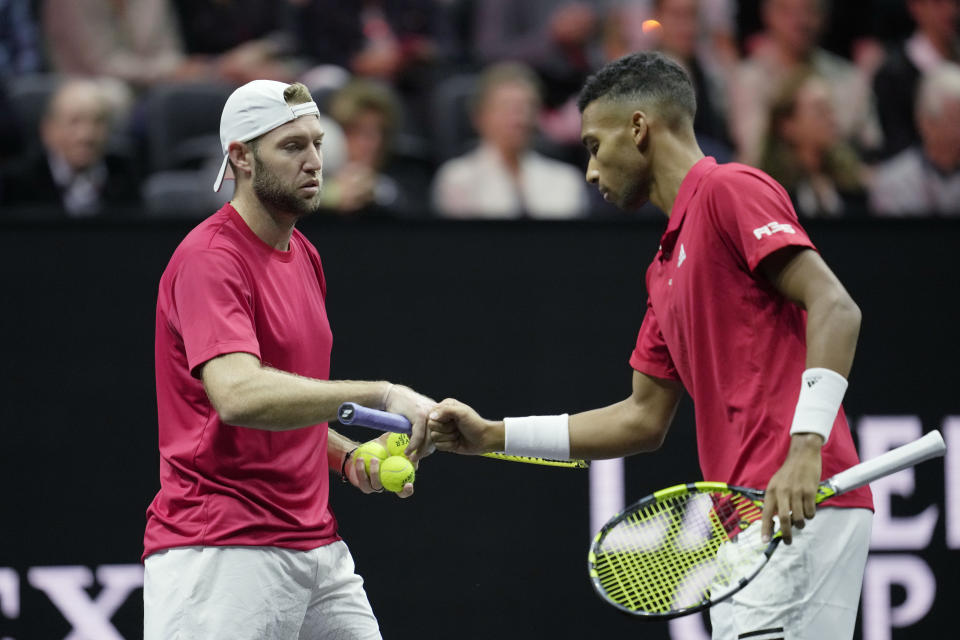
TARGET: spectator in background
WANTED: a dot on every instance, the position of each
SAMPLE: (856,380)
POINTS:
(369,114)
(243,40)
(682,35)
(135,41)
(504,177)
(75,176)
(822,174)
(559,39)
(789,42)
(924,179)
(134,45)
(716,42)
(934,41)
(141,42)
(394,41)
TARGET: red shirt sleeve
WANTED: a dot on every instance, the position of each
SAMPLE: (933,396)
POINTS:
(214,305)
(753,214)
(651,355)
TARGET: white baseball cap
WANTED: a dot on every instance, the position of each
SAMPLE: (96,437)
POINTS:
(251,111)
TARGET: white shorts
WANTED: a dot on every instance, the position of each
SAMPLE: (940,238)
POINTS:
(809,590)
(255,593)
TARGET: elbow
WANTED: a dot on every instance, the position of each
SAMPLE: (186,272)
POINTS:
(651,440)
(230,408)
(239,409)
(231,414)
(231,403)
(651,415)
(837,312)
(231,384)
(646,437)
(856,316)
(847,313)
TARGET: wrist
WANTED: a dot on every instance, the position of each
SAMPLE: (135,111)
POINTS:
(385,389)
(806,442)
(537,436)
(343,464)
(821,392)
(496,436)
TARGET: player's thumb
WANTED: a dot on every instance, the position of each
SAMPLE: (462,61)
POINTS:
(447,411)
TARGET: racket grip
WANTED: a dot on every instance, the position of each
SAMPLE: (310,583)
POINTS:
(355,414)
(929,446)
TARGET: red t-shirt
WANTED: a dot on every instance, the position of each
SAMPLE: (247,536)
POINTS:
(717,325)
(226,291)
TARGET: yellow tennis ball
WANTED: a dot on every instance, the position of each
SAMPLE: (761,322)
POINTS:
(397,444)
(395,472)
(372,449)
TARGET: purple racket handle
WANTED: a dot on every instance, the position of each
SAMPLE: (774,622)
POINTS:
(353,413)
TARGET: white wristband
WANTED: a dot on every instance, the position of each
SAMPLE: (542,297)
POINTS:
(821,392)
(538,436)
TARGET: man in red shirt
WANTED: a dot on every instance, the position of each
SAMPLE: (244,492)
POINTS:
(744,315)
(241,541)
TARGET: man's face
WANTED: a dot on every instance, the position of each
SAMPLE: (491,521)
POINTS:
(813,122)
(366,138)
(76,127)
(936,17)
(508,116)
(795,24)
(941,135)
(679,20)
(617,166)
(288,166)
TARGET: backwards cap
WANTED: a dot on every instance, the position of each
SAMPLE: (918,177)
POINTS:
(251,111)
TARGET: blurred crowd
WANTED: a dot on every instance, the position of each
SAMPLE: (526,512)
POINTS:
(466,108)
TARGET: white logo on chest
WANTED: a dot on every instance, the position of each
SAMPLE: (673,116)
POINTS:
(681,256)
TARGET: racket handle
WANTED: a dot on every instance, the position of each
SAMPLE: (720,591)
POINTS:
(355,414)
(929,446)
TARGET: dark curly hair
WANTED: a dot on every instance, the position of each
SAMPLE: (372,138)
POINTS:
(645,76)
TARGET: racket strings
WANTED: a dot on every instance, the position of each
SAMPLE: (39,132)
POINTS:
(664,557)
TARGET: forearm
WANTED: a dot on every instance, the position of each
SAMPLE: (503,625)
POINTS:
(639,423)
(618,430)
(277,401)
(833,326)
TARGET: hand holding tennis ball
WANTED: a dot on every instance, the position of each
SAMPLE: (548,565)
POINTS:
(397,444)
(372,449)
(395,472)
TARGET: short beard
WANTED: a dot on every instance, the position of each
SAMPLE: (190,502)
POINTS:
(635,196)
(279,199)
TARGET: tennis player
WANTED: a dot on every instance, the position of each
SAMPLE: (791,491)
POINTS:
(241,541)
(743,314)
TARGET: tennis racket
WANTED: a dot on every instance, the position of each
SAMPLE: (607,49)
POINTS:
(355,414)
(687,547)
